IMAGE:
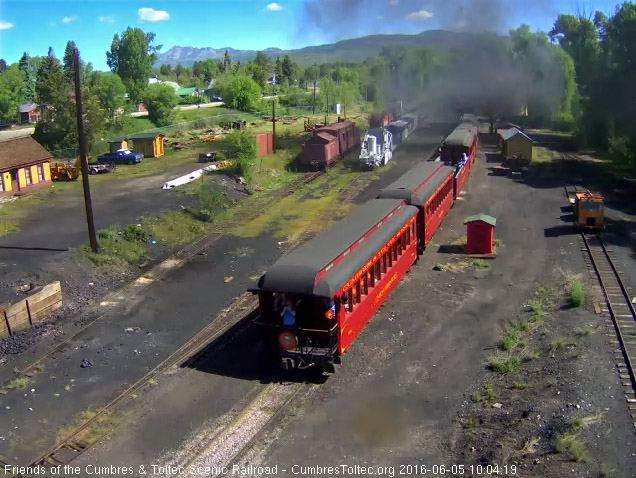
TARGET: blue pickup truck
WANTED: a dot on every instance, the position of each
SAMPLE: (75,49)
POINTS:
(122,156)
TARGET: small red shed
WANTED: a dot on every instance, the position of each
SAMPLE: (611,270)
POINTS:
(264,143)
(480,234)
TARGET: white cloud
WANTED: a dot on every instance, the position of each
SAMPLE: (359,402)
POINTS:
(419,16)
(5,25)
(274,7)
(152,15)
(107,19)
(394,3)
(69,19)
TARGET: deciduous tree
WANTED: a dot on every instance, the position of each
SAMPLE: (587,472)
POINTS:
(131,56)
(160,101)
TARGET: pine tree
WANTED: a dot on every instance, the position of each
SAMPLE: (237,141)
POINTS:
(29,78)
(69,60)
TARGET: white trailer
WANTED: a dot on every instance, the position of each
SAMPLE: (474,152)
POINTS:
(376,147)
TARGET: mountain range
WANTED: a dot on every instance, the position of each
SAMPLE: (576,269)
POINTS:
(351,50)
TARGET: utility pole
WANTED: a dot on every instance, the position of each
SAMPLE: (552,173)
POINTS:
(274,125)
(327,109)
(313,107)
(83,157)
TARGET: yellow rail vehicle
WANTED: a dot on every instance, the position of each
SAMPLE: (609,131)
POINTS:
(589,210)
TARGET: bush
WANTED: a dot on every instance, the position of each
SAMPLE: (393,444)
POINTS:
(160,100)
(239,91)
(296,96)
(576,294)
(245,148)
(619,150)
(563,122)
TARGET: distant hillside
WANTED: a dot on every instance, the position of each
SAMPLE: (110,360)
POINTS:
(355,49)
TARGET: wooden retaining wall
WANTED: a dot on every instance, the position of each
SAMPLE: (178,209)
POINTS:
(21,315)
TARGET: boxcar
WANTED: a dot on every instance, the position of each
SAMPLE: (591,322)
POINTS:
(346,134)
(411,119)
(399,130)
(380,120)
(330,142)
(314,301)
(429,187)
(321,150)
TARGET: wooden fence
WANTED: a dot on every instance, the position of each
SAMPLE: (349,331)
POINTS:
(35,308)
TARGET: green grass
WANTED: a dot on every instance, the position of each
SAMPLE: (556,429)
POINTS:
(8,226)
(572,445)
(519,385)
(512,334)
(504,365)
(19,383)
(117,245)
(487,396)
(480,264)
(174,228)
(102,426)
(577,296)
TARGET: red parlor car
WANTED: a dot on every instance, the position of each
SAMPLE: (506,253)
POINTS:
(316,300)
(429,187)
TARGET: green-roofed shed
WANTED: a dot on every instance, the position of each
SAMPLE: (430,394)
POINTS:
(480,236)
(117,143)
(187,91)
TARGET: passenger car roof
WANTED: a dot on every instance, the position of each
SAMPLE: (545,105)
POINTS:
(418,183)
(297,271)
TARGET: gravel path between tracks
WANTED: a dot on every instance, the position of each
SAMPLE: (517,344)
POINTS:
(127,344)
(415,387)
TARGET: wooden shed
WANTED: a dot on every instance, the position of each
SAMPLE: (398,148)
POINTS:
(117,143)
(25,166)
(516,144)
(480,234)
(150,144)
(264,143)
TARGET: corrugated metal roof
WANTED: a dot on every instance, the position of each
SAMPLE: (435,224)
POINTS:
(21,151)
(27,107)
(506,134)
(186,91)
(296,272)
(483,218)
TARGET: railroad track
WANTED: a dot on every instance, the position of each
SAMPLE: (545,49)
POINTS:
(230,441)
(619,310)
(282,193)
(269,403)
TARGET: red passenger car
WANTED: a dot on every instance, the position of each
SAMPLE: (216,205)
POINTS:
(429,187)
(330,142)
(461,143)
(316,300)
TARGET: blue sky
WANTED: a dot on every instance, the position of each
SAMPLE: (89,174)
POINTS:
(34,25)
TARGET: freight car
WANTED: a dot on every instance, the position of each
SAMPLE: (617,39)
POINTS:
(330,142)
(380,120)
(316,300)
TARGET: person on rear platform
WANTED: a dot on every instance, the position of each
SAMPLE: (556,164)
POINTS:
(289,313)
